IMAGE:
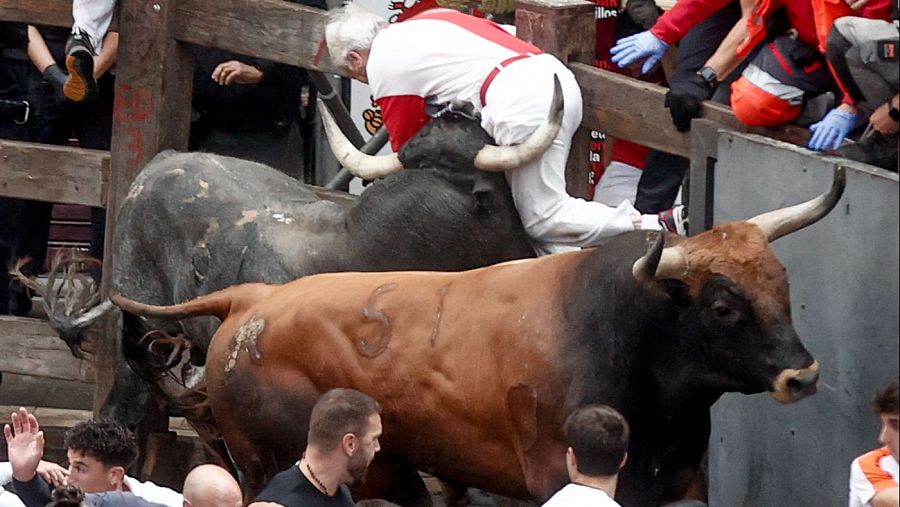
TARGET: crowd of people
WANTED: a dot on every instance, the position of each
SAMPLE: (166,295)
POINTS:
(344,430)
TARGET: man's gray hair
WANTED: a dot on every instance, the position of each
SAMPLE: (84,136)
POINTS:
(351,28)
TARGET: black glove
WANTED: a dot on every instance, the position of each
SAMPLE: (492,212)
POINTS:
(685,98)
(643,12)
(56,78)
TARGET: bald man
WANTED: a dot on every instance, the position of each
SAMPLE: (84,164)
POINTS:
(211,486)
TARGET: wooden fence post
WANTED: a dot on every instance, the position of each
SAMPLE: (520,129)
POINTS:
(565,29)
(151,113)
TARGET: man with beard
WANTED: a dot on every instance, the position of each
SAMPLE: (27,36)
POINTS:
(344,429)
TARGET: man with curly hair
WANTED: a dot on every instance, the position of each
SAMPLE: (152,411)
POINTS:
(99,452)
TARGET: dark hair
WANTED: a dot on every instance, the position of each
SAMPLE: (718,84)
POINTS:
(106,441)
(338,412)
(66,496)
(598,435)
(887,400)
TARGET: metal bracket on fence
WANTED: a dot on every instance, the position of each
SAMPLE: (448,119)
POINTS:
(701,177)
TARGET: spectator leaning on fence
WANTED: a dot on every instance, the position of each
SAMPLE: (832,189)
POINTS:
(874,475)
(771,93)
(99,452)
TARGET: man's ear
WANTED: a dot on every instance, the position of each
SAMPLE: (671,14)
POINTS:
(115,475)
(624,460)
(354,59)
(571,460)
(349,444)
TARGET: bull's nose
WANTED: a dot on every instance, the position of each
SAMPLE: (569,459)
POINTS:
(794,385)
(804,384)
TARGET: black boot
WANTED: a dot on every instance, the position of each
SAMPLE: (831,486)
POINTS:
(875,149)
(81,85)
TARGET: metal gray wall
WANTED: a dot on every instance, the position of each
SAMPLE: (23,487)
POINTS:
(845,279)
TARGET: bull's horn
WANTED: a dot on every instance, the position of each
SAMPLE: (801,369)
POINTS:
(781,222)
(367,167)
(503,158)
(659,263)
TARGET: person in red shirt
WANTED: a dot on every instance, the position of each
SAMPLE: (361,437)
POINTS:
(810,21)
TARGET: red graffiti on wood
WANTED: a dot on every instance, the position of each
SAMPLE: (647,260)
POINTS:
(134,104)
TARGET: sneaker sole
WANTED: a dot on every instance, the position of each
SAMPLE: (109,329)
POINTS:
(79,88)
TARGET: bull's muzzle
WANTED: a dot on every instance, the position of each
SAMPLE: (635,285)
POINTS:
(793,385)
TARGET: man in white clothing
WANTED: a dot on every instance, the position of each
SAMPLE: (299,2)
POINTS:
(99,452)
(597,436)
(447,56)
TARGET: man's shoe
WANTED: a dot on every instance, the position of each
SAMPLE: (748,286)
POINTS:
(81,85)
(875,149)
(674,220)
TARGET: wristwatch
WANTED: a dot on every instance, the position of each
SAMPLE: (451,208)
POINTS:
(893,112)
(709,75)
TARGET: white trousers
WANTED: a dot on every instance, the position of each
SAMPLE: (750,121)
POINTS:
(618,183)
(517,102)
(92,17)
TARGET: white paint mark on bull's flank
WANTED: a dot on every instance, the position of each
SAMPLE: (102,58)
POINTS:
(134,192)
(281,217)
(247,216)
(175,172)
(204,190)
(245,338)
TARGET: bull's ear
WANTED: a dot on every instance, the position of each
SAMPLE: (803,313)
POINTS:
(484,193)
(677,290)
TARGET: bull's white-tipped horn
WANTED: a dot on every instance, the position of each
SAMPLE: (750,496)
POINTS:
(660,263)
(503,158)
(781,222)
(367,167)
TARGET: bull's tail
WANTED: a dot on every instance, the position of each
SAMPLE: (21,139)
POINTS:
(217,304)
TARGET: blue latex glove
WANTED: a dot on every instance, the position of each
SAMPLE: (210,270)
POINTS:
(637,46)
(831,130)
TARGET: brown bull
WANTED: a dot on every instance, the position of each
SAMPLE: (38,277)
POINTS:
(477,370)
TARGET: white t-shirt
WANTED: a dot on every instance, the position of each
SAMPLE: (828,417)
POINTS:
(576,495)
(154,493)
(871,473)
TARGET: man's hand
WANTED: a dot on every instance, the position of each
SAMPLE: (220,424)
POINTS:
(883,122)
(640,45)
(235,72)
(25,445)
(857,5)
(685,100)
(830,131)
(52,473)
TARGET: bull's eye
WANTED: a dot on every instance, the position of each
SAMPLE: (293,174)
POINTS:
(721,309)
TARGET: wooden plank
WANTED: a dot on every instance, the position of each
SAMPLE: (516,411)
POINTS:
(50,417)
(563,28)
(32,347)
(627,108)
(43,12)
(151,113)
(53,173)
(272,29)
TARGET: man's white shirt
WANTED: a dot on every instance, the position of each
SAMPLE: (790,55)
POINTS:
(576,495)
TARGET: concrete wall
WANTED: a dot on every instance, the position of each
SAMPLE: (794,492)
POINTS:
(845,281)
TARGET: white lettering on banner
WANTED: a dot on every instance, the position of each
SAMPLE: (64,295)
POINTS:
(605,13)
